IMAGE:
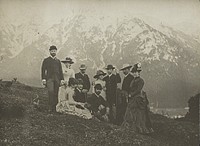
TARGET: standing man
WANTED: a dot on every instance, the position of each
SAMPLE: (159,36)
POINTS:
(111,88)
(52,77)
(121,107)
(86,81)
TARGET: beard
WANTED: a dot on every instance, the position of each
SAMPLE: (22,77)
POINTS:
(82,71)
(53,54)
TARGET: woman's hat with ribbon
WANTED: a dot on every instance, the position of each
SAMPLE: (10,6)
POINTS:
(67,60)
(99,73)
(136,68)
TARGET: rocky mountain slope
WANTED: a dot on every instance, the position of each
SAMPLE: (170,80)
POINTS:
(170,58)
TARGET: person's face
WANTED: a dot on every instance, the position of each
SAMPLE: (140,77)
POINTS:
(83,71)
(67,64)
(126,71)
(53,53)
(80,86)
(98,91)
(101,77)
(109,71)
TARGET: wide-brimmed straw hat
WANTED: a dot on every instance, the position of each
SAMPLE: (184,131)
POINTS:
(99,73)
(137,68)
(126,66)
(67,60)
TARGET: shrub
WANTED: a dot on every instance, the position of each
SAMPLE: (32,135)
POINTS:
(193,104)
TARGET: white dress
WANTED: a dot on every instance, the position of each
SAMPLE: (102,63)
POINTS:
(103,84)
(67,105)
(68,73)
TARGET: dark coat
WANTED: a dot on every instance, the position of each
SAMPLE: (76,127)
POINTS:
(126,83)
(79,96)
(85,78)
(95,102)
(111,87)
(52,69)
(122,98)
(136,86)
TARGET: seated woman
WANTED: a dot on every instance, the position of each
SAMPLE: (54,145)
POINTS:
(67,105)
(97,105)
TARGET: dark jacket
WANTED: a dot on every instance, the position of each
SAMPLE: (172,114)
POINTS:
(85,78)
(79,96)
(111,87)
(95,102)
(126,83)
(52,69)
(136,86)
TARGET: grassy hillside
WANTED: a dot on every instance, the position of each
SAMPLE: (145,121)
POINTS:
(22,124)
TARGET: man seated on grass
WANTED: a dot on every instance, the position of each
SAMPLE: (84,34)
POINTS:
(97,105)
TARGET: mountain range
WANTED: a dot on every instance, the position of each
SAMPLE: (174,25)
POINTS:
(170,58)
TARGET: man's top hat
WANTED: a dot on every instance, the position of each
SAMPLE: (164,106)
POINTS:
(52,48)
(110,67)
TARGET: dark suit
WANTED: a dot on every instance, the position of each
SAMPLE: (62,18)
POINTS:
(122,105)
(52,73)
(126,83)
(111,89)
(79,96)
(94,103)
(85,78)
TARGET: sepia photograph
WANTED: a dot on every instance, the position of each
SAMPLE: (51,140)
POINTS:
(99,72)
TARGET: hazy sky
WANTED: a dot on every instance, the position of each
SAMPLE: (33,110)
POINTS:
(167,11)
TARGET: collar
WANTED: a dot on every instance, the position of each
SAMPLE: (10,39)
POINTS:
(126,75)
(78,89)
(110,75)
(96,94)
(82,73)
(53,57)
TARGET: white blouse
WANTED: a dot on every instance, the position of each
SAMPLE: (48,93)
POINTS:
(68,73)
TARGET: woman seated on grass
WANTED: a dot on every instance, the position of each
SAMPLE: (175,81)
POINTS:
(67,104)
(97,105)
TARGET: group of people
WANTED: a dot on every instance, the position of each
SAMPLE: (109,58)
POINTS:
(68,93)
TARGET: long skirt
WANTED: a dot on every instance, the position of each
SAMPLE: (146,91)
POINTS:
(136,115)
(65,108)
